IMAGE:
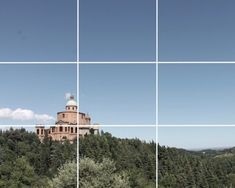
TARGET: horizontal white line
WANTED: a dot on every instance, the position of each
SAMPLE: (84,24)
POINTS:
(142,125)
(22,126)
(129,62)
(126,62)
(21,63)
(206,125)
(197,62)
(127,125)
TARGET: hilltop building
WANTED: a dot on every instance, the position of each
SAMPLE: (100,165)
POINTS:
(69,124)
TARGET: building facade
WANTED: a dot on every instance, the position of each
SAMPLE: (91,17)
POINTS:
(69,124)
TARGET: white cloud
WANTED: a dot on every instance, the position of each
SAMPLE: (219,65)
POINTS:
(24,115)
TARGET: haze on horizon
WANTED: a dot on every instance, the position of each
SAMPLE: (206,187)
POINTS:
(197,138)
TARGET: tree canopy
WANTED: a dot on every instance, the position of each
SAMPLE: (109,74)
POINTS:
(207,169)
(133,158)
(27,162)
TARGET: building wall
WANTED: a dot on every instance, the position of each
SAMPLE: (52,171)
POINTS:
(67,126)
(62,132)
(58,132)
(67,116)
(84,119)
(71,117)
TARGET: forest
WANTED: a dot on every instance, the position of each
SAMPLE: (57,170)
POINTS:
(107,161)
(25,162)
(179,168)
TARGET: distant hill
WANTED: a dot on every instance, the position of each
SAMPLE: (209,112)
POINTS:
(206,168)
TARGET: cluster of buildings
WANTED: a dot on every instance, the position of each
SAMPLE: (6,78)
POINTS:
(69,124)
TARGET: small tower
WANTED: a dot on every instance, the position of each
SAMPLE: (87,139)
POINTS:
(71,105)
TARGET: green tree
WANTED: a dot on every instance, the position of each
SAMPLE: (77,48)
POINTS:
(95,175)
(66,177)
(17,174)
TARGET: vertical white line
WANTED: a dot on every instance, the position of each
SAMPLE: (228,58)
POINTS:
(78,99)
(157,120)
(78,103)
(78,54)
(157,45)
(157,90)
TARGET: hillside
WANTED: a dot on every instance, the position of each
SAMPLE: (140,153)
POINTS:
(131,157)
(26,162)
(205,168)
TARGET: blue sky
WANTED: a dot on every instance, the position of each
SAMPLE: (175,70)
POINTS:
(197,137)
(196,94)
(37,87)
(196,30)
(117,30)
(118,93)
(142,133)
(38,30)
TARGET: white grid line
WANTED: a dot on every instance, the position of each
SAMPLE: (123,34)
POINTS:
(38,63)
(198,125)
(157,125)
(157,88)
(118,62)
(196,62)
(77,84)
(127,125)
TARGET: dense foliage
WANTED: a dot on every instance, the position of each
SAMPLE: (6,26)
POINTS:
(193,169)
(102,174)
(26,162)
(134,159)
(67,176)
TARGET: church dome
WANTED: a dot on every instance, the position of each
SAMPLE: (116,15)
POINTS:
(71,102)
